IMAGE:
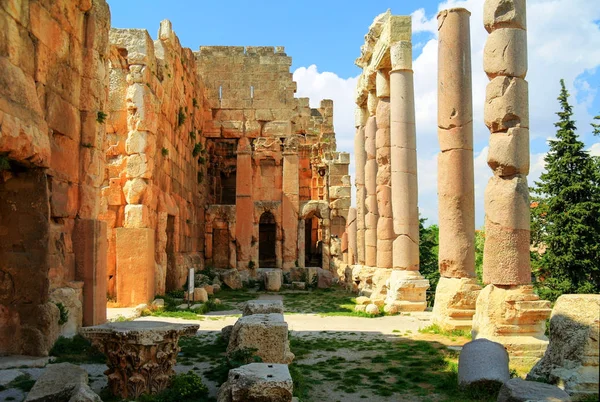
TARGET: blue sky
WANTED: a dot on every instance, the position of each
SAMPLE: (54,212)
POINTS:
(324,38)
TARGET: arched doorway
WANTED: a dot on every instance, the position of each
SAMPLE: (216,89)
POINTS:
(267,235)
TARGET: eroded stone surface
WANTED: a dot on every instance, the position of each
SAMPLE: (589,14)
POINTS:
(59,382)
(263,307)
(257,382)
(518,390)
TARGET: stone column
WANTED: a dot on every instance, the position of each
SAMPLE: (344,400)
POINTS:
(352,235)
(385,224)
(371,213)
(291,202)
(457,288)
(360,155)
(507,310)
(406,286)
(244,206)
(301,243)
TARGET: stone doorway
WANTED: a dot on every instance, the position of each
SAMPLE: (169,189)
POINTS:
(171,280)
(267,236)
(220,248)
(313,244)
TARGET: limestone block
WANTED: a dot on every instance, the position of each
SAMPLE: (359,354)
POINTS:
(257,382)
(139,45)
(267,333)
(518,390)
(504,14)
(506,253)
(71,299)
(515,317)
(455,300)
(273,280)
(140,142)
(58,383)
(232,279)
(401,55)
(509,152)
(135,262)
(113,193)
(263,307)
(506,104)
(407,290)
(200,295)
(135,191)
(277,129)
(406,252)
(505,53)
(483,362)
(507,202)
(137,216)
(372,309)
(210,289)
(382,83)
(139,165)
(571,360)
(340,192)
(325,278)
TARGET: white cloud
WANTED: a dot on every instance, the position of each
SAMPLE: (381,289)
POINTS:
(563,42)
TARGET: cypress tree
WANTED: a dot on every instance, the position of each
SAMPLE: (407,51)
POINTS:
(566,214)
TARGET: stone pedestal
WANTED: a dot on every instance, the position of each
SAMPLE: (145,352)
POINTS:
(515,317)
(406,292)
(135,266)
(454,305)
(141,354)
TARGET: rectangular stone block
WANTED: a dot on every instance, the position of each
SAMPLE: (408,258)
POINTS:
(135,266)
(90,247)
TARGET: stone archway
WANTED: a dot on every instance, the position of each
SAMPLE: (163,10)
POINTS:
(314,217)
(267,241)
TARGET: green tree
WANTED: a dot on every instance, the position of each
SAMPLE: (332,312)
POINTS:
(479,242)
(428,256)
(566,214)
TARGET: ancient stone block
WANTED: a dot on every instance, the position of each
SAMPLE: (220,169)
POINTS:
(506,105)
(504,14)
(455,300)
(232,279)
(509,152)
(507,202)
(518,390)
(571,360)
(257,382)
(505,53)
(273,280)
(267,333)
(135,265)
(263,307)
(59,382)
(136,216)
(483,362)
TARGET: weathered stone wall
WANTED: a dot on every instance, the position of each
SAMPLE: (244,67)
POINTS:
(278,145)
(154,186)
(53,83)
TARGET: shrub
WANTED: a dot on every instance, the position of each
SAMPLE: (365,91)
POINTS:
(64,314)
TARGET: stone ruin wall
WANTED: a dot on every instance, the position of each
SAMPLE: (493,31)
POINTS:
(53,59)
(153,190)
(277,144)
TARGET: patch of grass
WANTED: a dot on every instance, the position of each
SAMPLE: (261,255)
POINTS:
(184,387)
(4,163)
(385,367)
(437,330)
(23,382)
(164,152)
(76,350)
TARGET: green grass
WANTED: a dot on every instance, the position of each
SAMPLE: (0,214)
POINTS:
(23,382)
(76,350)
(436,330)
(171,300)
(384,367)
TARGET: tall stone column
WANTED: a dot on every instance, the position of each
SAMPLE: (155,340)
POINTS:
(457,289)
(360,155)
(291,202)
(371,213)
(507,310)
(385,224)
(407,288)
(351,230)
(244,207)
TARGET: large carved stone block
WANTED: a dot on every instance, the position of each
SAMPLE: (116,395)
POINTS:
(508,154)
(505,53)
(257,382)
(504,14)
(506,104)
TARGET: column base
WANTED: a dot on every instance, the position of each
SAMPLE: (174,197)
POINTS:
(454,305)
(406,291)
(515,317)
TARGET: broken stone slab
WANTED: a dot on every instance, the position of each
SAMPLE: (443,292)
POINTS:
(85,394)
(59,382)
(14,361)
(483,362)
(231,278)
(266,333)
(263,307)
(571,359)
(518,390)
(325,278)
(200,295)
(258,382)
